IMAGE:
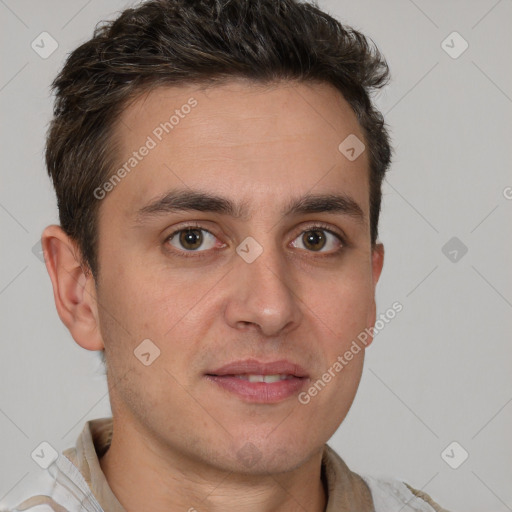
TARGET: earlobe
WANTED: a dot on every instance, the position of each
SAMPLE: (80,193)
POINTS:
(73,288)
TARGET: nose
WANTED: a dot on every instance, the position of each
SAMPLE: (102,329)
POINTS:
(263,295)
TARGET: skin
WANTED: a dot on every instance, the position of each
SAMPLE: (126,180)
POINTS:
(177,435)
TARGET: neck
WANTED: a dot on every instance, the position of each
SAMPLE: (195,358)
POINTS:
(146,477)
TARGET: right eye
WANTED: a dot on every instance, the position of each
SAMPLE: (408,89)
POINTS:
(191,239)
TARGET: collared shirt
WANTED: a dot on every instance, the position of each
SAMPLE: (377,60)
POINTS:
(76,482)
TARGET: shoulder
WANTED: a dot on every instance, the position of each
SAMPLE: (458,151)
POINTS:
(388,493)
(426,498)
(32,494)
(384,493)
(58,488)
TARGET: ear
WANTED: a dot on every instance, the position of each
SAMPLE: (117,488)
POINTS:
(377,264)
(73,288)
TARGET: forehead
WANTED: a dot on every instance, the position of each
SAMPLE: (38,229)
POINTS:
(238,139)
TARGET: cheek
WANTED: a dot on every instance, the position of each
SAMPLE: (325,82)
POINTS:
(330,396)
(159,306)
(141,297)
(343,306)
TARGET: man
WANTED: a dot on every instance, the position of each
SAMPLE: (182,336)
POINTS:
(218,167)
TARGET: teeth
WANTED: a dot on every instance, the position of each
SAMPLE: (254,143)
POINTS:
(265,378)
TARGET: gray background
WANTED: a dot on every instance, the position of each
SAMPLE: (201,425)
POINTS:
(438,373)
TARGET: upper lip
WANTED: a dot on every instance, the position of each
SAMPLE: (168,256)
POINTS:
(255,367)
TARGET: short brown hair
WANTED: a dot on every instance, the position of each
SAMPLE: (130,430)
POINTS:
(181,42)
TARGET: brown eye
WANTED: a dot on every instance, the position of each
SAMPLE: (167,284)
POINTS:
(191,239)
(314,240)
(318,238)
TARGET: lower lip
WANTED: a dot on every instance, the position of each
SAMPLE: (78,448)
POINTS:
(260,392)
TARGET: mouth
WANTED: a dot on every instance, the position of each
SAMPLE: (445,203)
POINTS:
(255,368)
(260,377)
(257,382)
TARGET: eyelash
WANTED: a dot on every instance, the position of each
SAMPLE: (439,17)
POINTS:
(198,254)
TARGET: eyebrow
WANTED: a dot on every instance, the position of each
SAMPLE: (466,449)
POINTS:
(180,200)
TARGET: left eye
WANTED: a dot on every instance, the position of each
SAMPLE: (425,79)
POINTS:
(316,239)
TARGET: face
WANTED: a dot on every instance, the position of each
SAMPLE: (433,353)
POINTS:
(299,289)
